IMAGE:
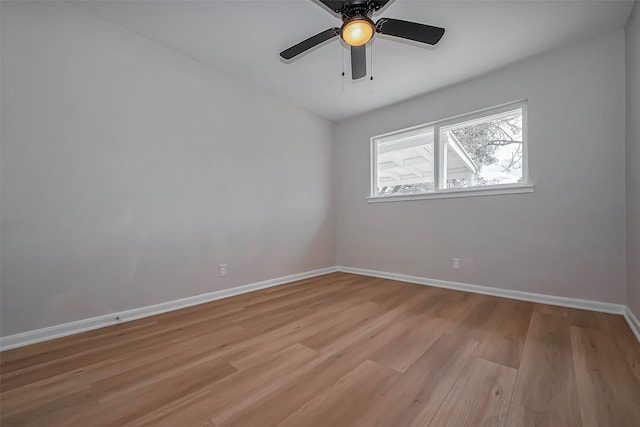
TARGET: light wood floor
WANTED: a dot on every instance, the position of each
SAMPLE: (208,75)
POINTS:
(338,350)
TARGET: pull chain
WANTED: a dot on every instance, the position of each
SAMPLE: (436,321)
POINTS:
(371,59)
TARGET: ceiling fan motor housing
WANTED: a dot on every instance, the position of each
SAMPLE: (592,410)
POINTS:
(358,7)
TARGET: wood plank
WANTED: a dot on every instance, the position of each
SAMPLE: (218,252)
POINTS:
(303,386)
(607,388)
(474,316)
(297,329)
(546,380)
(95,354)
(589,319)
(227,392)
(508,325)
(370,328)
(416,396)
(555,310)
(479,397)
(346,401)
(519,416)
(82,409)
(298,332)
(118,375)
(409,345)
(627,343)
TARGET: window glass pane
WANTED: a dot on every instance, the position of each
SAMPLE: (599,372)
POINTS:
(486,151)
(405,163)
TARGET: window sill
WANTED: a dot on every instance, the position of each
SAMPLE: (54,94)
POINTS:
(464,192)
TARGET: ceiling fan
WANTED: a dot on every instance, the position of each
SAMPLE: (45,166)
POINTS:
(358,28)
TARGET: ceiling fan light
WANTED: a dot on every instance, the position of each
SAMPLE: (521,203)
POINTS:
(357,31)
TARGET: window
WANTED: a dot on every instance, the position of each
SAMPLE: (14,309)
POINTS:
(472,153)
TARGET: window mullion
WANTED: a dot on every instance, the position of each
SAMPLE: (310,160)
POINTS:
(436,158)
(374,167)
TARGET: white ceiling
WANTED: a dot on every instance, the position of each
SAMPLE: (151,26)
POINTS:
(243,39)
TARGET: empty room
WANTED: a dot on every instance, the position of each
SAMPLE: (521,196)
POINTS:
(319,213)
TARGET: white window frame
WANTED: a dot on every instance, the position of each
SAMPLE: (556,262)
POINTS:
(526,186)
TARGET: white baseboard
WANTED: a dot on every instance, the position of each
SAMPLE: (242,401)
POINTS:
(633,322)
(505,293)
(58,331)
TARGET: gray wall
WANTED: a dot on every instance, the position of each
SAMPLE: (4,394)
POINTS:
(565,239)
(130,172)
(632,31)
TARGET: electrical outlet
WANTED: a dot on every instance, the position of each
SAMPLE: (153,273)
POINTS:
(456,264)
(222,270)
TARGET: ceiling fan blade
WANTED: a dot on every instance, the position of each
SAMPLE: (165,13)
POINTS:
(410,30)
(358,61)
(312,41)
